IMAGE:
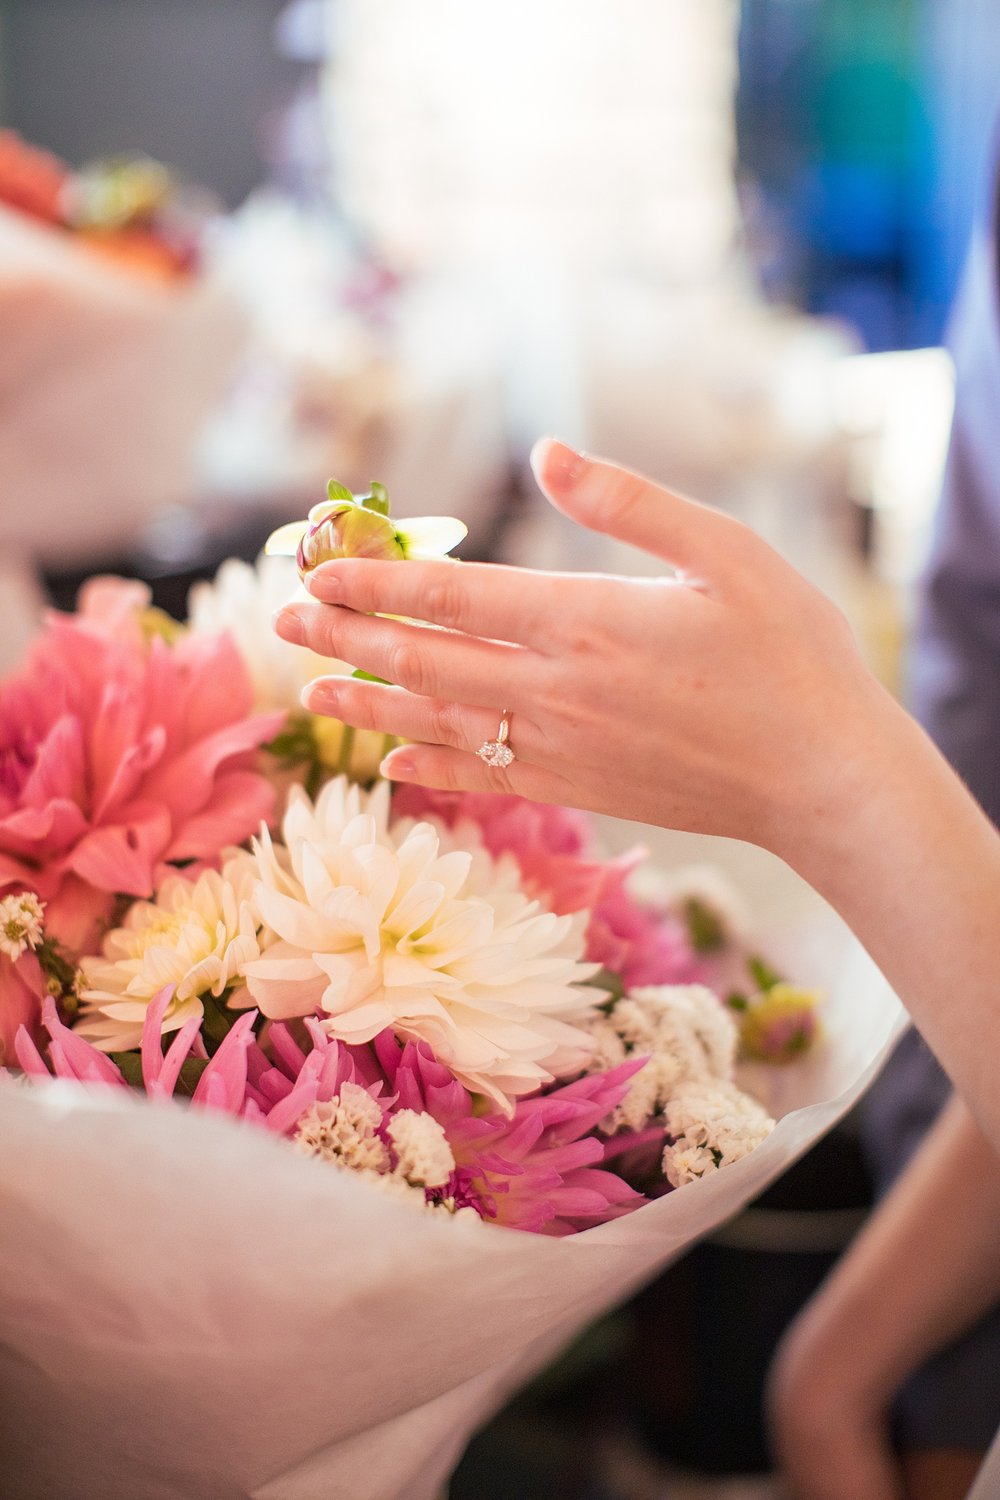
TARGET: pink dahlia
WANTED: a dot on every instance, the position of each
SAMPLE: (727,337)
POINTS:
(118,759)
(640,945)
(286,1083)
(540,1170)
(221,1086)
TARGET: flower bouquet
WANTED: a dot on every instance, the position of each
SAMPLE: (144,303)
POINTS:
(118,343)
(331,1112)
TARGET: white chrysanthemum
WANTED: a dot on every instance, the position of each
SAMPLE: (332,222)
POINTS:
(683,1030)
(243,601)
(20,923)
(197,935)
(377,927)
(710,1118)
(423,1155)
(343,1130)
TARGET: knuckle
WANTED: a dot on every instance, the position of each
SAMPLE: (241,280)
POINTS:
(626,494)
(444,603)
(444,723)
(407,667)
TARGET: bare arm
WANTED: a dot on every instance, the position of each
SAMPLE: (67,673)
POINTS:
(924,1269)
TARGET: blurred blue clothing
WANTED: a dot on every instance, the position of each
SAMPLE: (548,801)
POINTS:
(954,1401)
(955,675)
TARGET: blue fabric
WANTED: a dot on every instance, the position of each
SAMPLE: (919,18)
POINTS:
(955,692)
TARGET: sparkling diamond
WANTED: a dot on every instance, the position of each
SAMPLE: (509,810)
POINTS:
(496,753)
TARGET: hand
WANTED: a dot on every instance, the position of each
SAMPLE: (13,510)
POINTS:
(726,696)
(830,1437)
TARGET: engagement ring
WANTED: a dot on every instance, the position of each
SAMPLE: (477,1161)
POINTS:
(497,752)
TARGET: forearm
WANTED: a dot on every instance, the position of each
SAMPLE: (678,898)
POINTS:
(926,1268)
(913,866)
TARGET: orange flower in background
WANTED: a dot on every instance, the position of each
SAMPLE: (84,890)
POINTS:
(31,180)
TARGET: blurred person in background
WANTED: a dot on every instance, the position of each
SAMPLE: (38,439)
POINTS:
(900,1350)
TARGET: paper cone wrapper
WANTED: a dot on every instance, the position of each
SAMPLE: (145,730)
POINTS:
(189,1309)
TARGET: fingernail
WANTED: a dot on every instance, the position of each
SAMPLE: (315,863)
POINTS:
(321,696)
(325,583)
(290,625)
(555,465)
(396,766)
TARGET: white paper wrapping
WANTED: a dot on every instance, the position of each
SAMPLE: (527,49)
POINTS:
(189,1309)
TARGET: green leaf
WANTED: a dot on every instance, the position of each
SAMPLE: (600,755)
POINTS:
(295,742)
(335,491)
(217,1022)
(369,677)
(190,1075)
(129,1065)
(736,1001)
(378,500)
(607,980)
(705,928)
(763,976)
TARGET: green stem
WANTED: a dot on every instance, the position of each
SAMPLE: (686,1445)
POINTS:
(346,750)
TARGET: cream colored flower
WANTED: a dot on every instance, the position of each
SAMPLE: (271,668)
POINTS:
(243,601)
(423,1155)
(710,1119)
(20,923)
(384,927)
(344,1130)
(197,935)
(686,1033)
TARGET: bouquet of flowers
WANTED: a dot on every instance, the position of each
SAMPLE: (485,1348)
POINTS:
(113,324)
(401,1024)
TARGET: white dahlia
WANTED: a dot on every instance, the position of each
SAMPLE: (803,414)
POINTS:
(243,601)
(380,926)
(196,935)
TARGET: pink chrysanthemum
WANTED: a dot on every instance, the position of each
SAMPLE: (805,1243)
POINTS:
(551,844)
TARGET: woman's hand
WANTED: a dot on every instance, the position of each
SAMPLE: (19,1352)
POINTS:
(726,696)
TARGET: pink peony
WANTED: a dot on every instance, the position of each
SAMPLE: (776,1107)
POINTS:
(550,844)
(117,759)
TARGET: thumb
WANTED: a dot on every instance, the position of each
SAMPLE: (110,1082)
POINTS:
(605,497)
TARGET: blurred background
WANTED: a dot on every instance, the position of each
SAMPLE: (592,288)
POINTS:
(246,245)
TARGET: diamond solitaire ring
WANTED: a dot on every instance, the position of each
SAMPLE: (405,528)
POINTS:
(497,752)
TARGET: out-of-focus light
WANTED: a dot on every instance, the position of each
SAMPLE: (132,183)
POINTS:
(899,407)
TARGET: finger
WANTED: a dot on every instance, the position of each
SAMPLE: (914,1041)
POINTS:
(431,663)
(483,599)
(451,771)
(605,497)
(435,721)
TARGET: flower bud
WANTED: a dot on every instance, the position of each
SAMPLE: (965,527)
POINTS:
(779,1024)
(345,529)
(346,525)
